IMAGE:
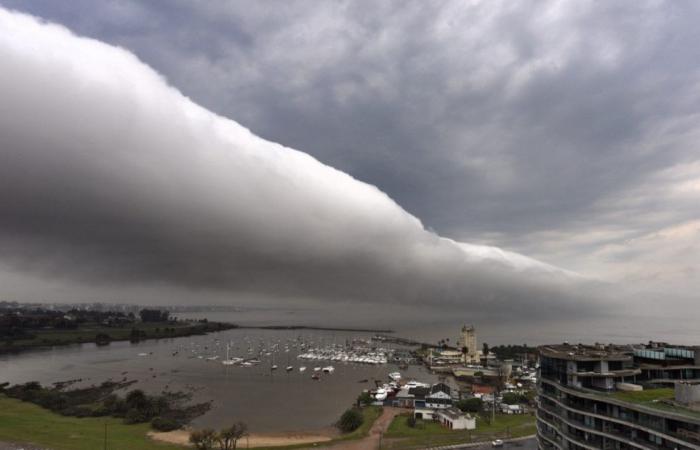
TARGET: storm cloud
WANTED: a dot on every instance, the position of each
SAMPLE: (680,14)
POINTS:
(111,176)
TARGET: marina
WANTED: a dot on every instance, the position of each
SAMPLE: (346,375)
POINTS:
(231,368)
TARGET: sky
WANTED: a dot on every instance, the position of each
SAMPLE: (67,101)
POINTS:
(529,157)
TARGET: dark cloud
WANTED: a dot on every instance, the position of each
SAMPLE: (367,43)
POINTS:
(112,177)
(559,130)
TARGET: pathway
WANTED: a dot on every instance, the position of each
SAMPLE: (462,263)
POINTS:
(371,442)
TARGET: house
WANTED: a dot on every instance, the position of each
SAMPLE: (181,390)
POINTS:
(403,399)
(440,397)
(511,409)
(454,419)
(421,412)
(482,389)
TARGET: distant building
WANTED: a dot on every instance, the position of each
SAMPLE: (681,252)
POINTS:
(454,419)
(589,398)
(468,342)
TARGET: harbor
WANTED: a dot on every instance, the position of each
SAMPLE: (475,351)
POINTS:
(268,400)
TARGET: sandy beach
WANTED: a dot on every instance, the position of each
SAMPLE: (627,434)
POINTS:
(181,437)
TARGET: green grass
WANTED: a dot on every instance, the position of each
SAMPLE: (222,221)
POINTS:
(25,423)
(645,396)
(30,424)
(655,398)
(428,433)
(369,415)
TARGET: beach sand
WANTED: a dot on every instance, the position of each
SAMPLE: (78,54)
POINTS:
(181,437)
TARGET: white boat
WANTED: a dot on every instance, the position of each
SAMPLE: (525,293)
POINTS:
(289,368)
(317,369)
(381,394)
(302,368)
(228,361)
(328,369)
(396,376)
(273,367)
(142,354)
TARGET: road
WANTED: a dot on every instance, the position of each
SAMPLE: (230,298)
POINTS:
(527,444)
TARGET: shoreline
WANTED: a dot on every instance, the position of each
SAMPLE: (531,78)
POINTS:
(89,335)
(280,439)
(307,327)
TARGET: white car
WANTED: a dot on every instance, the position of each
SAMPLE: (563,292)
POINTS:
(497,443)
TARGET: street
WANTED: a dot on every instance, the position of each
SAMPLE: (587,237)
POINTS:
(528,444)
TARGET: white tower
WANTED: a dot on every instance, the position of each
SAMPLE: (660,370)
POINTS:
(468,340)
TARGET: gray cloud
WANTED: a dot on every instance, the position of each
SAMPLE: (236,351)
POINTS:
(545,127)
(110,176)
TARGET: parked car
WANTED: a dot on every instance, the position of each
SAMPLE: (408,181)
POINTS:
(497,443)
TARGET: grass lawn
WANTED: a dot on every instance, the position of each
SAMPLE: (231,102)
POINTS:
(369,414)
(654,398)
(645,396)
(26,423)
(30,424)
(428,433)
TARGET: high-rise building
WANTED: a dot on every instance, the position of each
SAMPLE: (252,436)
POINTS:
(590,397)
(468,341)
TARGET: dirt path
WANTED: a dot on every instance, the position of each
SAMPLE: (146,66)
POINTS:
(371,442)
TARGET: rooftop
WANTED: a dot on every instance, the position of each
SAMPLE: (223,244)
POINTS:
(580,352)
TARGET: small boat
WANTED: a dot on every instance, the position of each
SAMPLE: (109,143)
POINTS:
(273,367)
(302,368)
(381,394)
(328,369)
(228,361)
(289,368)
(317,369)
(396,376)
(142,354)
(316,376)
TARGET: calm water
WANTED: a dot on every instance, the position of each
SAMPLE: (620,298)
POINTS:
(280,401)
(266,400)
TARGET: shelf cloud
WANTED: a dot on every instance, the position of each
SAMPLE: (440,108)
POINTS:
(112,177)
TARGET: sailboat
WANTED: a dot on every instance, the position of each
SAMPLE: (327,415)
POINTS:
(228,361)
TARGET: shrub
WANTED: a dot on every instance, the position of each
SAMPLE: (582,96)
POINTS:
(473,405)
(135,416)
(350,420)
(411,421)
(364,399)
(164,424)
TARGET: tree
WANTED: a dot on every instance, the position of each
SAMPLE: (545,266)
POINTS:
(102,339)
(473,405)
(229,437)
(154,315)
(510,398)
(203,439)
(364,399)
(411,421)
(350,420)
(486,349)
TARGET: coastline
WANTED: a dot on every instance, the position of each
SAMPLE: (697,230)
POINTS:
(89,335)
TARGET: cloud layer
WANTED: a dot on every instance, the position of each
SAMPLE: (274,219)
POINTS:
(111,176)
